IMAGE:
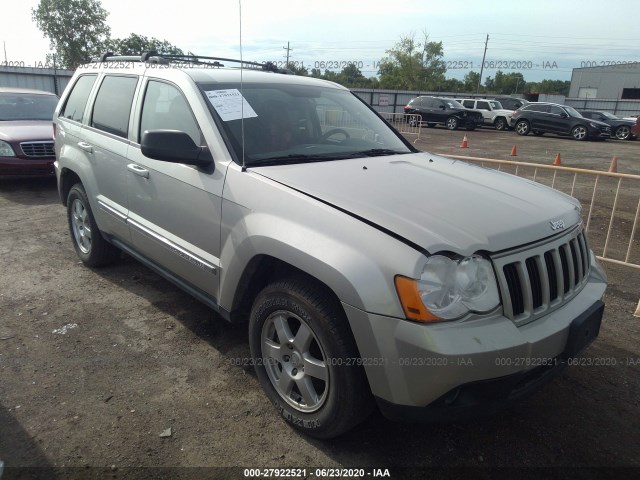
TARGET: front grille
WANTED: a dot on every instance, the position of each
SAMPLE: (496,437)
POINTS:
(38,149)
(536,280)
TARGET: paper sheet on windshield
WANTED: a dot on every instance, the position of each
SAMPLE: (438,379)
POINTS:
(230,104)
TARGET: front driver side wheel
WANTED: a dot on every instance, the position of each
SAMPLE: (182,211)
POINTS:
(579,132)
(303,352)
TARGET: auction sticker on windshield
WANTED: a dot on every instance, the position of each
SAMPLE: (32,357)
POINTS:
(230,104)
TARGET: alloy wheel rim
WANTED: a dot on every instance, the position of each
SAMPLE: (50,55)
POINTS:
(81,226)
(295,361)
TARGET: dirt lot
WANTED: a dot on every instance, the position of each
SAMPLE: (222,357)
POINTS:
(96,364)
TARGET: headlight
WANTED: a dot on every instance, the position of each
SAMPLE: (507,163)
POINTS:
(594,125)
(6,150)
(449,289)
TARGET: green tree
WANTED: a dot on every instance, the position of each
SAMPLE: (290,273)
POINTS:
(412,65)
(298,70)
(452,85)
(351,76)
(508,83)
(471,80)
(136,44)
(76,29)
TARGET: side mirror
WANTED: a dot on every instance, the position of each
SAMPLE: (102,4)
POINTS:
(174,146)
(443,107)
(564,115)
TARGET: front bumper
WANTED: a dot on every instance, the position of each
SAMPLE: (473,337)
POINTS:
(423,371)
(26,166)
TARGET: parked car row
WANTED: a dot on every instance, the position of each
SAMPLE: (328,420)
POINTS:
(527,117)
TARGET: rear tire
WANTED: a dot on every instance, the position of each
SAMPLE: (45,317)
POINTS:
(522,127)
(90,245)
(303,352)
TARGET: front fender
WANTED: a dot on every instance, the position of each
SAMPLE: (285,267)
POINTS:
(356,261)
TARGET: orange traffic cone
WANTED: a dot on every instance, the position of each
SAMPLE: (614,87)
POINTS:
(465,143)
(614,165)
(514,152)
(557,160)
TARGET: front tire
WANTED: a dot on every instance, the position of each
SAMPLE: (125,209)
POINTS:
(623,133)
(579,132)
(452,123)
(91,247)
(304,356)
(500,124)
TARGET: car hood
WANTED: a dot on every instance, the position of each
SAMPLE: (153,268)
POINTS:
(23,130)
(434,202)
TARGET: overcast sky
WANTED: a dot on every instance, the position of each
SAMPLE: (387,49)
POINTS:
(541,39)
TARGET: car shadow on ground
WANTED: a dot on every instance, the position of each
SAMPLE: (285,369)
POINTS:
(35,190)
(18,449)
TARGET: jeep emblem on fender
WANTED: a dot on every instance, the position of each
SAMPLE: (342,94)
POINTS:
(557,225)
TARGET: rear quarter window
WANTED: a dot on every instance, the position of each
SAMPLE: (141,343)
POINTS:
(77,100)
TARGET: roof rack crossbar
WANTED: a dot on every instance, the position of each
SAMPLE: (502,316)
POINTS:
(155,57)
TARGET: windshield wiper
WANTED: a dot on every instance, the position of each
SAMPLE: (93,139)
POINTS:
(376,152)
(308,158)
(289,159)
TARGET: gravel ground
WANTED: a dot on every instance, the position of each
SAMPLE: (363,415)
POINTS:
(97,365)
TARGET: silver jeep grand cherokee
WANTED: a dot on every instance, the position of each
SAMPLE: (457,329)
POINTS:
(369,273)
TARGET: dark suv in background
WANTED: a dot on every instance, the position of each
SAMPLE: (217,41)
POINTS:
(540,118)
(620,128)
(443,111)
(511,103)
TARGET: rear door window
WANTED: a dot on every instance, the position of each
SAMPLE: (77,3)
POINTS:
(112,107)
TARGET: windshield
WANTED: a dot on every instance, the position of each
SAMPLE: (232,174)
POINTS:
(27,106)
(609,115)
(572,112)
(298,123)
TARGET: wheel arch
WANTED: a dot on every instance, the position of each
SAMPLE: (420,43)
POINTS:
(68,178)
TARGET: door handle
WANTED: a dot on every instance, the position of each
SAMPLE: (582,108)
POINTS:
(138,170)
(86,147)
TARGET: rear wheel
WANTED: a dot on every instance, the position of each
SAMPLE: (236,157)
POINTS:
(579,132)
(303,351)
(523,127)
(452,123)
(623,133)
(88,242)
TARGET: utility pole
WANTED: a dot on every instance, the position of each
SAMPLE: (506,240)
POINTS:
(482,65)
(6,62)
(288,50)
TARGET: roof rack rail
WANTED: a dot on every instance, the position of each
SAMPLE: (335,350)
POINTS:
(155,57)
